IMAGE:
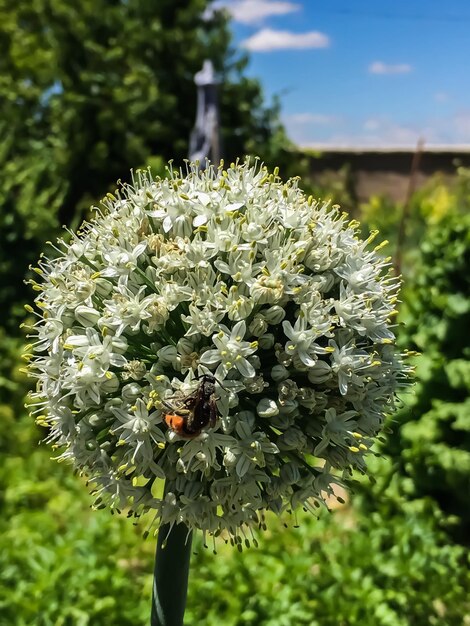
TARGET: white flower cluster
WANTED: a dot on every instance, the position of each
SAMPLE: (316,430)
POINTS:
(219,331)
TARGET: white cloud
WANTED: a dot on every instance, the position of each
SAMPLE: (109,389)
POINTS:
(383,68)
(268,39)
(255,11)
(371,125)
(371,132)
(381,132)
(310,118)
(300,126)
(384,131)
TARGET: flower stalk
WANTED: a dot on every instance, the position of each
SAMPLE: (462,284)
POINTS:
(170,581)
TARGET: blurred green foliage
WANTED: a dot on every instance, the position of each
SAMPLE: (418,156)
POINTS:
(392,566)
(62,564)
(430,443)
(433,444)
(434,202)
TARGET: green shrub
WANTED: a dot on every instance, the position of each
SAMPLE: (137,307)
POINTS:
(432,447)
(62,564)
(347,570)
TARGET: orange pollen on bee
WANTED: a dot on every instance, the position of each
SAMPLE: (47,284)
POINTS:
(176,422)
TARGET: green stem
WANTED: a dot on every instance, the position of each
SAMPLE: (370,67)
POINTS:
(170,582)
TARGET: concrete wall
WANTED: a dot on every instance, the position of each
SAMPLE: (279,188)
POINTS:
(384,172)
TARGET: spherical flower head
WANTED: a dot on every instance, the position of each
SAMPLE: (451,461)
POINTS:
(219,331)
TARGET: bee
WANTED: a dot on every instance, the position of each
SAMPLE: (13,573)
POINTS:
(196,411)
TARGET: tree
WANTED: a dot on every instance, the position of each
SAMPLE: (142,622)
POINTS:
(93,88)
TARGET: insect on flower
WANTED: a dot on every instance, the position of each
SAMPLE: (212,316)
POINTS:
(196,411)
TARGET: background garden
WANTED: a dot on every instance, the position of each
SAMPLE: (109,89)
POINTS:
(89,90)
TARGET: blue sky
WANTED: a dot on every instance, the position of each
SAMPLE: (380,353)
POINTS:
(362,72)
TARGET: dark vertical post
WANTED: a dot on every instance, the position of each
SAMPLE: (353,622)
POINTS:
(205,137)
(205,142)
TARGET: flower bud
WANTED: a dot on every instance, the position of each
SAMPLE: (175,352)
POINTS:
(274,315)
(319,373)
(111,384)
(167,356)
(230,458)
(292,439)
(103,287)
(267,408)
(258,325)
(276,505)
(131,391)
(233,400)
(185,345)
(275,487)
(86,315)
(255,385)
(219,490)
(255,361)
(266,342)
(77,249)
(289,473)
(96,421)
(279,372)
(324,282)
(282,421)
(306,397)
(287,406)
(246,416)
(287,390)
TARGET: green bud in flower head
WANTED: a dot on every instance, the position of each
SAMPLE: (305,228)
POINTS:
(87,315)
(274,315)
